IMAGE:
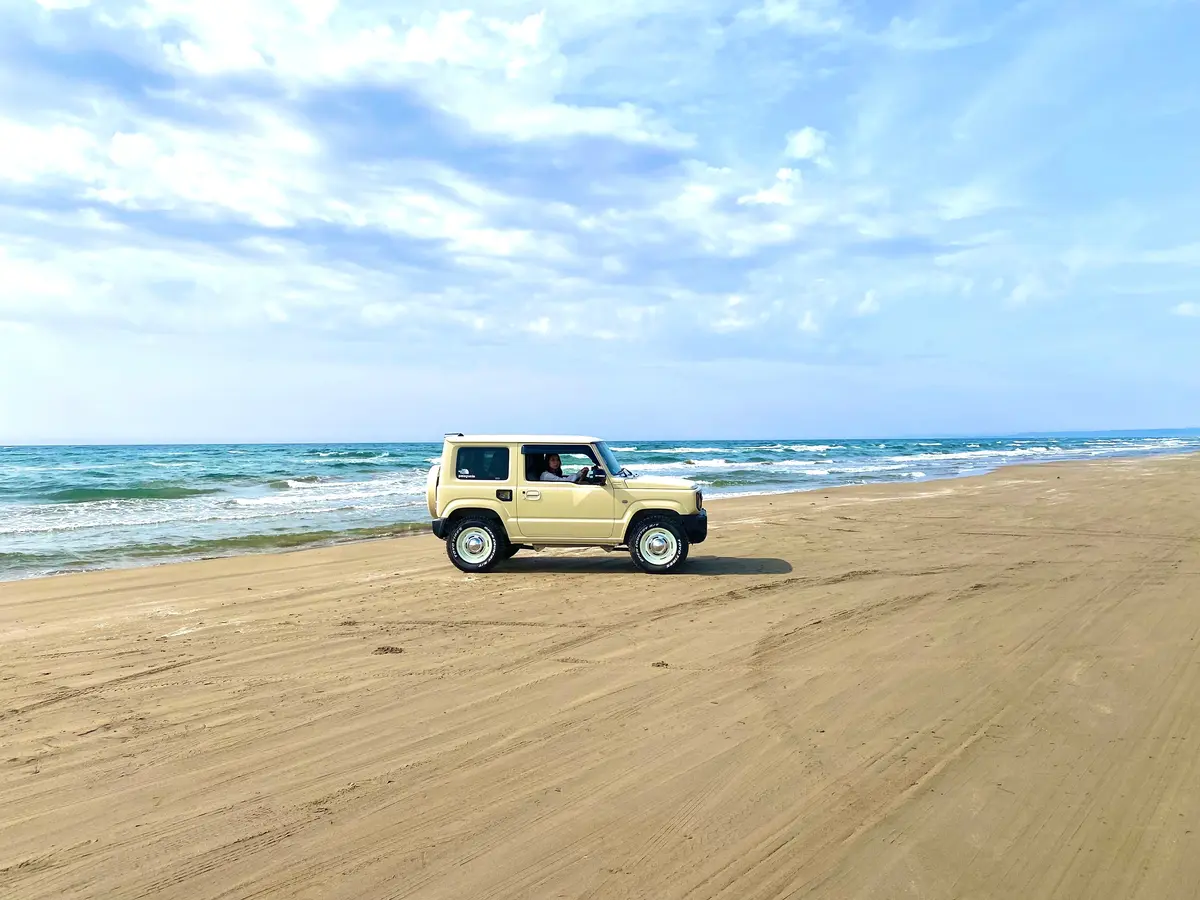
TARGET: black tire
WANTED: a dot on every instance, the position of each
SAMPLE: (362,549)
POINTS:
(676,551)
(510,550)
(492,539)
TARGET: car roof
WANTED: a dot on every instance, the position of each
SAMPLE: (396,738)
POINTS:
(457,438)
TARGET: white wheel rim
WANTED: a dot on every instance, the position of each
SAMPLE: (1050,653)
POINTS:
(658,546)
(474,545)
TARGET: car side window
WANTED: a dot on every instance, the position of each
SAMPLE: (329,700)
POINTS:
(572,457)
(481,464)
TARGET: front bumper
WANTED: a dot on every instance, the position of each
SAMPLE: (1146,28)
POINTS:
(439,528)
(696,527)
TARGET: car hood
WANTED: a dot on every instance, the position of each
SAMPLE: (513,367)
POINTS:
(659,483)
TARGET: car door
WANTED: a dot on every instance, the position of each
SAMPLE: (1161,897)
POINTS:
(562,511)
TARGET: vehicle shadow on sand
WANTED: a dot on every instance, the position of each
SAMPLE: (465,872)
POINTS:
(620,562)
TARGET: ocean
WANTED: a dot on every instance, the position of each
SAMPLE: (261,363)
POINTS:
(66,509)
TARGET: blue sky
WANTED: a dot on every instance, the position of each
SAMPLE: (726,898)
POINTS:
(323,220)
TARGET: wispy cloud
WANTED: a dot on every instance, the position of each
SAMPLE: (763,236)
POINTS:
(803,16)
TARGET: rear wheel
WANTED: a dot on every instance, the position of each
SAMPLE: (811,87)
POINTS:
(658,545)
(475,545)
(510,550)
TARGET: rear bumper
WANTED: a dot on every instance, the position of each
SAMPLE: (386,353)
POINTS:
(439,528)
(696,527)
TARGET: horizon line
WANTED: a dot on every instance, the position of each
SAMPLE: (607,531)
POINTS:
(1014,435)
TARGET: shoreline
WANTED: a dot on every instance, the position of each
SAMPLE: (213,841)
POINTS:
(230,501)
(404,530)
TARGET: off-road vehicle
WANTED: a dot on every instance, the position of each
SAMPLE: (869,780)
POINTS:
(490,497)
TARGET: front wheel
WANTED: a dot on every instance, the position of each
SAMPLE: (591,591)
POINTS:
(659,546)
(475,545)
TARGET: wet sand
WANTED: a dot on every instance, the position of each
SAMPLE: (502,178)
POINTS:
(986,687)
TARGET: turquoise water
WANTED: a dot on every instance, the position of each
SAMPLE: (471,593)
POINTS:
(71,508)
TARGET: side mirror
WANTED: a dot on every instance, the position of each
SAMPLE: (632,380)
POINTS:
(597,476)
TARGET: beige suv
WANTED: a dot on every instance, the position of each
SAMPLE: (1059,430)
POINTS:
(493,495)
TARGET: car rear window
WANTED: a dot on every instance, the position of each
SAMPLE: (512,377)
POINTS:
(482,464)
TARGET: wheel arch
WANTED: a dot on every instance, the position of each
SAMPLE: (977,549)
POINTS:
(650,512)
(456,514)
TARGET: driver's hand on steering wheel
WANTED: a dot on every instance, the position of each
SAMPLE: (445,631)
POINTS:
(583,473)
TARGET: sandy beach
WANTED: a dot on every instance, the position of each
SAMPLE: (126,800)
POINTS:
(984,687)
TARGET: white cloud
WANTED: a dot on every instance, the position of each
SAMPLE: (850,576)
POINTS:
(869,305)
(1187,309)
(145,283)
(782,193)
(262,173)
(716,208)
(1029,288)
(271,173)
(808,143)
(540,326)
(923,35)
(966,202)
(736,316)
(501,73)
(804,16)
(29,152)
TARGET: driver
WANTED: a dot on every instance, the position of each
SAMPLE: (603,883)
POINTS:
(555,471)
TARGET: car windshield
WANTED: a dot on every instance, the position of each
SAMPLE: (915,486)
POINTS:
(610,461)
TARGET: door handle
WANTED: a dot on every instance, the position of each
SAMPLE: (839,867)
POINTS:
(532,495)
